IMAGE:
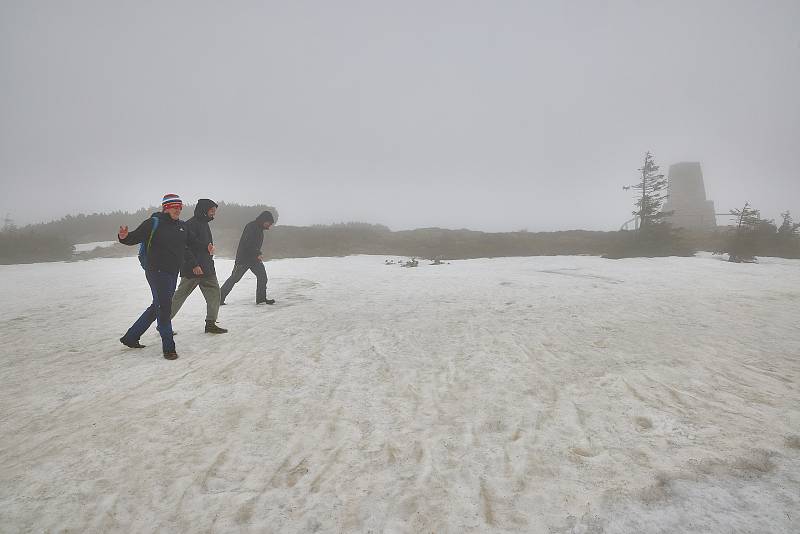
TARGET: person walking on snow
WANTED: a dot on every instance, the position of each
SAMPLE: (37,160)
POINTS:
(249,257)
(203,252)
(165,251)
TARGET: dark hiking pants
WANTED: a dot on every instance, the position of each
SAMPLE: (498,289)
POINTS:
(162,286)
(257,268)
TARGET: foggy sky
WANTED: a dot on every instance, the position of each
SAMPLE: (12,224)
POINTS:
(490,115)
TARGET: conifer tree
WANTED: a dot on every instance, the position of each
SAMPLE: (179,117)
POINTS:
(654,237)
(788,228)
(652,194)
(742,242)
(788,237)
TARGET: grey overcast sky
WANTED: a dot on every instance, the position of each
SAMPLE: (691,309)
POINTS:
(491,115)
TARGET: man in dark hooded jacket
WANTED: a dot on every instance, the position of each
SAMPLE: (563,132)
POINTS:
(202,248)
(249,257)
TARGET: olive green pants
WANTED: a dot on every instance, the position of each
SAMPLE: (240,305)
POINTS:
(209,286)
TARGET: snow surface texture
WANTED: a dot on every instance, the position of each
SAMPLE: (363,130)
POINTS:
(544,395)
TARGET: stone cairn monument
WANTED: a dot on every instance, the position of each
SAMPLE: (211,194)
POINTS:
(687,198)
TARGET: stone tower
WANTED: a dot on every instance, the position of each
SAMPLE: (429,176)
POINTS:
(687,198)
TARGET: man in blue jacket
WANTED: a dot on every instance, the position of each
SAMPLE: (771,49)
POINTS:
(203,251)
(249,257)
(165,251)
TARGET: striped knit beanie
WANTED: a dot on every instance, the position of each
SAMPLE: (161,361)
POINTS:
(171,200)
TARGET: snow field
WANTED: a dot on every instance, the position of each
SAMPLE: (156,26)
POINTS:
(546,394)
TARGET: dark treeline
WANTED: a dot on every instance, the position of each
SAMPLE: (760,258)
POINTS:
(53,241)
(360,238)
(104,226)
(29,246)
(766,240)
(750,236)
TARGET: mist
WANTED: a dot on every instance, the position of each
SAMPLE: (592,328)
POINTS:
(493,117)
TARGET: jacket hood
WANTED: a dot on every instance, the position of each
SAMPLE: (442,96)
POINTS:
(266,216)
(202,207)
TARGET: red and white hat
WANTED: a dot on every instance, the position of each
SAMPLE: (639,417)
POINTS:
(171,200)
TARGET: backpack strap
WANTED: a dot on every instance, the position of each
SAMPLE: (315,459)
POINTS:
(152,232)
(144,247)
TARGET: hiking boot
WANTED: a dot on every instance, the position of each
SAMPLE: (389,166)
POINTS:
(212,328)
(134,345)
(268,301)
(171,355)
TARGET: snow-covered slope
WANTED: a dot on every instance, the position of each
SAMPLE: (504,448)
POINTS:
(544,395)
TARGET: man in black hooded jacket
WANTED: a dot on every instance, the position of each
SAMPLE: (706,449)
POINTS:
(249,257)
(202,248)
